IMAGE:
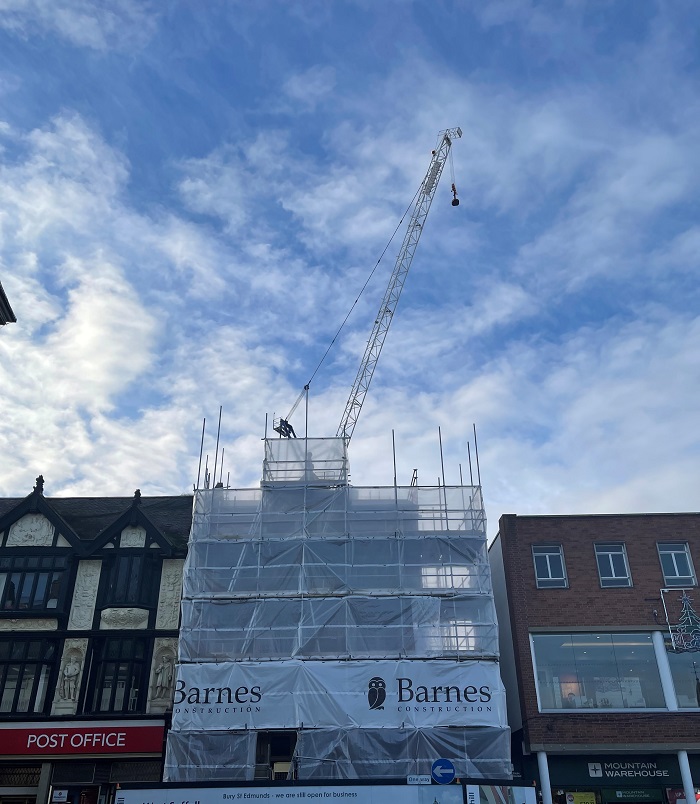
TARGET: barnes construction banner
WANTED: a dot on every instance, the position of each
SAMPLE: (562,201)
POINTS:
(276,695)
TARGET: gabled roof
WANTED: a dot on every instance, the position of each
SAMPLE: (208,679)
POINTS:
(6,314)
(87,518)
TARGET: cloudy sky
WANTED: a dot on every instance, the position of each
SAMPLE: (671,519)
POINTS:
(192,196)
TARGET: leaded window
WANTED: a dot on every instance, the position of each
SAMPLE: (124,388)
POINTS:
(26,666)
(32,583)
(132,581)
(119,679)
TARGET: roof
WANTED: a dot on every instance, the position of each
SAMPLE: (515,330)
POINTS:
(6,314)
(89,516)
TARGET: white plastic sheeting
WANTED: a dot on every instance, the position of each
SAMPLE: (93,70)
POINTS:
(476,752)
(367,753)
(309,570)
(323,628)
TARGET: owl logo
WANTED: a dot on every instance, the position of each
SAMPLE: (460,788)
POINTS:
(376,694)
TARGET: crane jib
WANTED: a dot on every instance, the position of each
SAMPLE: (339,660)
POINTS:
(404,258)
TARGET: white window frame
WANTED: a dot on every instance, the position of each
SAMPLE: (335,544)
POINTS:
(612,581)
(542,583)
(677,581)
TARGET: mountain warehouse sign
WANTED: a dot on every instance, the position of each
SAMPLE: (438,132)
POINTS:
(620,770)
(289,694)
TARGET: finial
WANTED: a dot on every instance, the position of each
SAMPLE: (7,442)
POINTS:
(39,488)
(137,497)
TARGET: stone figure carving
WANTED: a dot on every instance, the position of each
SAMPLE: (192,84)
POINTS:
(163,677)
(32,530)
(68,690)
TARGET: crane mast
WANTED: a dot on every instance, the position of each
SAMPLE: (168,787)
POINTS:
(396,282)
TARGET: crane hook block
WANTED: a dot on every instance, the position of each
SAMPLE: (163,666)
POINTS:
(455,200)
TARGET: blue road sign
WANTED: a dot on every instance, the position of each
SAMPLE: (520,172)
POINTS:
(443,771)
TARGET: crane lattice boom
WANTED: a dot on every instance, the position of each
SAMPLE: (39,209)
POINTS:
(396,282)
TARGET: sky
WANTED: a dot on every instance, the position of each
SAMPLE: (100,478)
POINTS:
(193,194)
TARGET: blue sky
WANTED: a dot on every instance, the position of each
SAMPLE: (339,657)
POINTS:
(193,195)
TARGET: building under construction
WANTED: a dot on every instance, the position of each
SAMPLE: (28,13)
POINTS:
(333,631)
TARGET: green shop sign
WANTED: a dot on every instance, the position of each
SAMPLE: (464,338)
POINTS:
(630,794)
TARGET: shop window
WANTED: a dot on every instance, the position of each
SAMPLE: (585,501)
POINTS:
(685,669)
(132,581)
(119,680)
(676,564)
(33,583)
(597,671)
(26,666)
(550,571)
(613,568)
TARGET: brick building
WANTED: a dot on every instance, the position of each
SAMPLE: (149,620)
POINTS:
(89,610)
(600,652)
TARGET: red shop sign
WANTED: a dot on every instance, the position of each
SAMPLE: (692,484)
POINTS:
(44,741)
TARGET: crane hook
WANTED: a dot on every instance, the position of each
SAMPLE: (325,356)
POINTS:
(455,200)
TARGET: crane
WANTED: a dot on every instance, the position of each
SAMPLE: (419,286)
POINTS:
(398,277)
(421,207)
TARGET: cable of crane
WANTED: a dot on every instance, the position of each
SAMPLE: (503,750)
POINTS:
(354,304)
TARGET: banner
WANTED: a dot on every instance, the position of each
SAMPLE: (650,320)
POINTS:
(323,794)
(384,694)
(87,740)
(333,794)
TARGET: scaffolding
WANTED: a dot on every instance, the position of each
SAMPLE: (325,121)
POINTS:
(304,597)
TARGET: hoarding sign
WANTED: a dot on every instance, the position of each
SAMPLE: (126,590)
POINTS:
(84,740)
(323,794)
(332,794)
(337,694)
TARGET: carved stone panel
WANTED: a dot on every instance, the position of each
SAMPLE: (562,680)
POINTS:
(124,618)
(168,615)
(70,677)
(133,537)
(84,595)
(32,530)
(160,689)
(33,624)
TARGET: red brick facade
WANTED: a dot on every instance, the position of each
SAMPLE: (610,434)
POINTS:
(585,606)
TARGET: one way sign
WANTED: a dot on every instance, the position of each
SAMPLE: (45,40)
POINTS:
(443,771)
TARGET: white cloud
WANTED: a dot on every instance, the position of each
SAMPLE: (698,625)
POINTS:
(123,24)
(310,87)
